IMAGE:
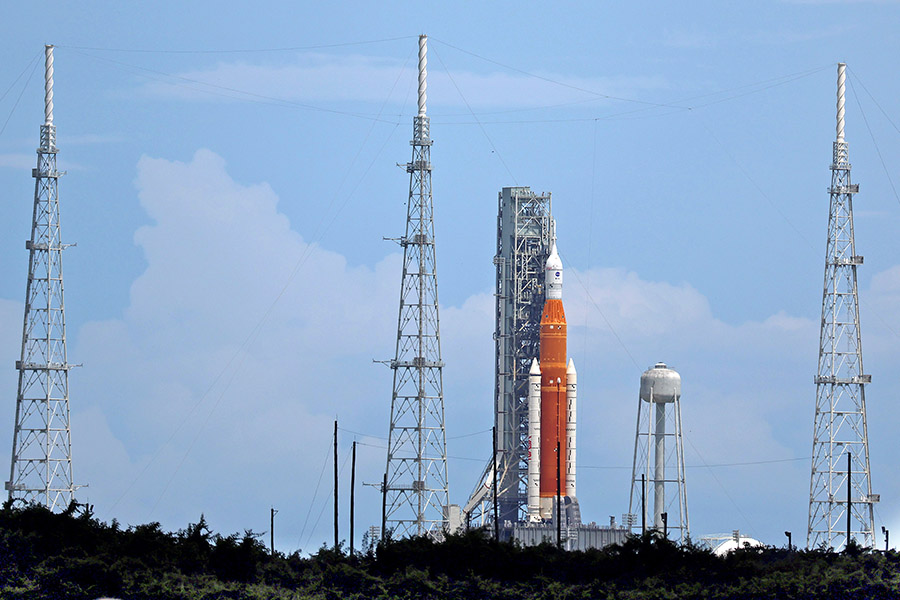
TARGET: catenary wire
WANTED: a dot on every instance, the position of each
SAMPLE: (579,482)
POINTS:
(226,91)
(19,97)
(559,83)
(483,130)
(874,142)
(253,333)
(239,51)
(883,112)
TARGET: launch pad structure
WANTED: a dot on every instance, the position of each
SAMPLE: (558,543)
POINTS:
(518,491)
(524,237)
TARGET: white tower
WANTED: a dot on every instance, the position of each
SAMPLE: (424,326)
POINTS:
(416,493)
(41,466)
(840,490)
(659,420)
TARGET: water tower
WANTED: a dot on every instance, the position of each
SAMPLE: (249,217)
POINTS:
(659,426)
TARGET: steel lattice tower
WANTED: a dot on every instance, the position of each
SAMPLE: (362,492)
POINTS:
(41,466)
(840,494)
(524,236)
(416,491)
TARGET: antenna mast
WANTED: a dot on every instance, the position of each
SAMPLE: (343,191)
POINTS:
(416,484)
(41,466)
(841,503)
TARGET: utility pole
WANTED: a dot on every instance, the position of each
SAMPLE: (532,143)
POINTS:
(41,466)
(272,513)
(352,495)
(335,486)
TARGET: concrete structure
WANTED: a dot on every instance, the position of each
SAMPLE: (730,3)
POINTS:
(581,536)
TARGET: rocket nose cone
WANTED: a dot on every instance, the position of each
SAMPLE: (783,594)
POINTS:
(571,368)
(553,274)
(553,261)
(535,367)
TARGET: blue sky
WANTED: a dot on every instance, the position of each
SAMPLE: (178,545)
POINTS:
(231,174)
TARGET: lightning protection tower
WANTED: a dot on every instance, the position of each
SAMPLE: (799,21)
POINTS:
(659,420)
(841,503)
(416,485)
(41,466)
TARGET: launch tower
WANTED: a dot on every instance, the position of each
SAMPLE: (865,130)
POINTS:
(524,235)
(416,483)
(41,466)
(841,503)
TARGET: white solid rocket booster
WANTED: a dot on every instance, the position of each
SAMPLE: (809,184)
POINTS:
(534,442)
(571,396)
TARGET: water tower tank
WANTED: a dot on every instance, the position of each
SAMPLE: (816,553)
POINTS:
(664,383)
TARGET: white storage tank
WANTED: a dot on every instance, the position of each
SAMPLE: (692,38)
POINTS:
(660,383)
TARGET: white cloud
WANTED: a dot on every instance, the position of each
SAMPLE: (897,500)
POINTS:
(241,343)
(192,402)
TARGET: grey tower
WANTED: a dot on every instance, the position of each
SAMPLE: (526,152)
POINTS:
(416,491)
(41,466)
(524,236)
(840,491)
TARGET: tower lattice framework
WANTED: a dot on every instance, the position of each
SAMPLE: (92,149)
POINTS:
(417,486)
(524,236)
(41,465)
(841,503)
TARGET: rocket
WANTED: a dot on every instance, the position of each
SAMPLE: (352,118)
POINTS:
(552,397)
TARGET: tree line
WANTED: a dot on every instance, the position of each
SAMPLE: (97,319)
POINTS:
(73,555)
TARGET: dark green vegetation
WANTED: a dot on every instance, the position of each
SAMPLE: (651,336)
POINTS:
(73,555)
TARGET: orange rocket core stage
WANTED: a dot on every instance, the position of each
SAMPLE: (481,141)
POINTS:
(554,406)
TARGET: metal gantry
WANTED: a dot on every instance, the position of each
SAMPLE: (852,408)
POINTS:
(524,236)
(416,491)
(841,503)
(41,465)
